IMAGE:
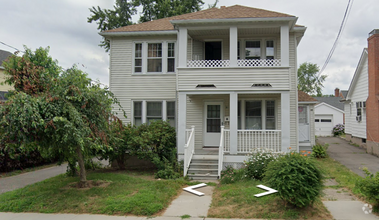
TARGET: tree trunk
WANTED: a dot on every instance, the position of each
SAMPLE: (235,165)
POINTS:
(82,172)
(121,162)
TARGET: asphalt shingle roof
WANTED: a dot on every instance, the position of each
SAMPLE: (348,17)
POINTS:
(4,55)
(236,11)
(333,101)
(304,97)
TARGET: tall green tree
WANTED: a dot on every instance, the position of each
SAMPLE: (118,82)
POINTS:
(62,112)
(121,14)
(308,80)
(108,19)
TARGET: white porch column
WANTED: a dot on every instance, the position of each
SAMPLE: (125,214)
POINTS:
(284,46)
(233,44)
(233,118)
(182,110)
(285,120)
(144,111)
(182,38)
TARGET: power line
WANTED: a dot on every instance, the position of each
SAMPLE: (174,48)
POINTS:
(344,20)
(11,47)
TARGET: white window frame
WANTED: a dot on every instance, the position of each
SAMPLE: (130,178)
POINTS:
(145,56)
(263,41)
(144,109)
(263,112)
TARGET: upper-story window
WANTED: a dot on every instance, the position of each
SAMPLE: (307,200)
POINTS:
(253,50)
(256,49)
(154,57)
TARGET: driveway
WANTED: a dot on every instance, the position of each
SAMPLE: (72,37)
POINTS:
(352,157)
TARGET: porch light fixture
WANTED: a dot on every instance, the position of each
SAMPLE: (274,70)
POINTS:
(261,85)
(205,86)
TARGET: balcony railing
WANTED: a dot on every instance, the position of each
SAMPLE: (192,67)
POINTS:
(240,63)
(250,139)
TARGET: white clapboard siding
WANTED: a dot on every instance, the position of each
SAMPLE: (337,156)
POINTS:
(348,118)
(127,86)
(359,93)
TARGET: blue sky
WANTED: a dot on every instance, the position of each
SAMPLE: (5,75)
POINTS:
(63,26)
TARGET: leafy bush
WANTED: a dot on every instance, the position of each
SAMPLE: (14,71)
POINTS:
(320,151)
(369,186)
(258,160)
(338,130)
(296,177)
(231,175)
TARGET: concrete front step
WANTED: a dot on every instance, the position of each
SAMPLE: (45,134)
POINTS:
(203,167)
(203,176)
(202,171)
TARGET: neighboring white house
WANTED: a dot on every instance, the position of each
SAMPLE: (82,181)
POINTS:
(328,113)
(355,102)
(230,72)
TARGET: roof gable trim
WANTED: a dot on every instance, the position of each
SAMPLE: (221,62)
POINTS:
(330,106)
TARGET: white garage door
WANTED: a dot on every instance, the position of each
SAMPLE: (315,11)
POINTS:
(324,125)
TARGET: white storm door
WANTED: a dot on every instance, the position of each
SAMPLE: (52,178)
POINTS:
(213,120)
(303,123)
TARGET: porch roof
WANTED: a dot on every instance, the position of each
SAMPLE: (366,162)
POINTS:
(304,97)
(232,12)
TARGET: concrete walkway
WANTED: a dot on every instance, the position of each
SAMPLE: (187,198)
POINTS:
(341,204)
(22,180)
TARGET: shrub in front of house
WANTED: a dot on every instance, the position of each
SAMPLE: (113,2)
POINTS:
(257,162)
(231,175)
(320,151)
(369,186)
(296,177)
(338,130)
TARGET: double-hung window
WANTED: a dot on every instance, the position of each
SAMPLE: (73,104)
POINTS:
(154,111)
(138,58)
(147,111)
(154,57)
(256,115)
(253,50)
(257,49)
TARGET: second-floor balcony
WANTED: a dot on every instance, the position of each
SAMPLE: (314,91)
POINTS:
(240,63)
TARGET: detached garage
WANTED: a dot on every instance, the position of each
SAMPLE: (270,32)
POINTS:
(326,117)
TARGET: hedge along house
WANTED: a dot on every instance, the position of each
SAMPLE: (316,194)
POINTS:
(225,77)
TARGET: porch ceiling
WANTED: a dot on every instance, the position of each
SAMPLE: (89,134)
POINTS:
(241,32)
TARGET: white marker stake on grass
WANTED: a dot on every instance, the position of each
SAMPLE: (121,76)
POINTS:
(265,193)
(190,189)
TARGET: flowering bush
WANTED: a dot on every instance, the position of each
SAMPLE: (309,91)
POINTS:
(338,130)
(296,177)
(231,175)
(258,160)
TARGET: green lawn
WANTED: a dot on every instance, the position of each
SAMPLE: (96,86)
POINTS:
(237,200)
(126,194)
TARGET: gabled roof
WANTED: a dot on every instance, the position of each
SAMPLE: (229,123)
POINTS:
(344,93)
(329,106)
(232,12)
(333,101)
(304,97)
(3,56)
(361,63)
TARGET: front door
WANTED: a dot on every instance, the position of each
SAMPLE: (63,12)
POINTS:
(213,121)
(213,50)
(303,123)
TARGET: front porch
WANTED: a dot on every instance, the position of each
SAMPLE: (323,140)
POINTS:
(228,125)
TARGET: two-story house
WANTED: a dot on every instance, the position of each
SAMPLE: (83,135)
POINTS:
(222,76)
